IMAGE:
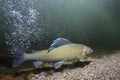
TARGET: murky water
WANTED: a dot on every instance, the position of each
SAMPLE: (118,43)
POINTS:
(35,24)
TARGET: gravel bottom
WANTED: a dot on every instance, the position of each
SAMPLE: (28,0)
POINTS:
(105,68)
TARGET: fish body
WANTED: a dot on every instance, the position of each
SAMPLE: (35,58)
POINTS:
(67,52)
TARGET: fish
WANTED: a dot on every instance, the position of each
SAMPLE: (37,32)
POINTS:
(60,50)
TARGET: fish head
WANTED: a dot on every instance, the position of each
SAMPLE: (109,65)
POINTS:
(87,50)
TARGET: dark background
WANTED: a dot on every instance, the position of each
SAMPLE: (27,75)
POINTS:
(92,22)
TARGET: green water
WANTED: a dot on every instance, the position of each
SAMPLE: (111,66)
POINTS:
(91,22)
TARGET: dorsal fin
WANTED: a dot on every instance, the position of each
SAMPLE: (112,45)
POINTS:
(58,42)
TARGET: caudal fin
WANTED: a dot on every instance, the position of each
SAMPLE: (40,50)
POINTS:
(19,56)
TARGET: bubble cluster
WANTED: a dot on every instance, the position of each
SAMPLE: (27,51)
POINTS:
(22,24)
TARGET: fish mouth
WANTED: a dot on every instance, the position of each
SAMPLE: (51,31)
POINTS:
(91,50)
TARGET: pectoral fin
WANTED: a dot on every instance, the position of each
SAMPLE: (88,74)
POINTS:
(58,42)
(37,64)
(58,64)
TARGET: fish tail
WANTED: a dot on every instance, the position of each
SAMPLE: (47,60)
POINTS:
(19,59)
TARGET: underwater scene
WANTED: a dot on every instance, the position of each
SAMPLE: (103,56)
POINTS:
(59,40)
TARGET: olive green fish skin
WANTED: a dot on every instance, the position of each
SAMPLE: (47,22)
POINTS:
(66,52)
